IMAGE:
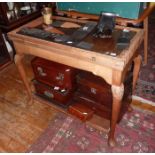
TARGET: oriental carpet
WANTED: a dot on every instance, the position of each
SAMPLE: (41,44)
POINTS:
(135,133)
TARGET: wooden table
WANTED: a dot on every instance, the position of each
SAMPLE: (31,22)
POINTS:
(112,69)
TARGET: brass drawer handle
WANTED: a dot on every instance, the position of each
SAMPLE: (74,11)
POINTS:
(41,72)
(60,77)
(93,90)
(48,94)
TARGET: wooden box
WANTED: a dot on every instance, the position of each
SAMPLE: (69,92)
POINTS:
(94,92)
(97,107)
(61,96)
(95,88)
(81,111)
(54,74)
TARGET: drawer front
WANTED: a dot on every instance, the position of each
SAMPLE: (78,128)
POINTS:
(52,94)
(81,111)
(104,99)
(54,77)
(98,90)
(98,109)
(54,74)
(94,103)
(99,95)
(102,110)
(94,87)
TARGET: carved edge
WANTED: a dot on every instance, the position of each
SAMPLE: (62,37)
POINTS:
(118,91)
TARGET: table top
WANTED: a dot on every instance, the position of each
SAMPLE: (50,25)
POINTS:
(97,48)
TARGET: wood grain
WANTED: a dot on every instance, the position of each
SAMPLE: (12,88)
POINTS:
(20,125)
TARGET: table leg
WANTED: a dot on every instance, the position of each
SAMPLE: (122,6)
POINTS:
(117,92)
(145,40)
(19,64)
(137,64)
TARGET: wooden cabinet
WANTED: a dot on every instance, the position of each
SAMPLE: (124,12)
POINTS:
(4,55)
(13,15)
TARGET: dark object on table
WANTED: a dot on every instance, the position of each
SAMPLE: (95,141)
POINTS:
(73,40)
(83,31)
(38,33)
(85,45)
(105,25)
(123,40)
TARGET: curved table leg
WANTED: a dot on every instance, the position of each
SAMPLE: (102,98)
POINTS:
(145,40)
(117,92)
(19,64)
(137,64)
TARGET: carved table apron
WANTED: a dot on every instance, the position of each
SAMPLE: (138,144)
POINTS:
(111,69)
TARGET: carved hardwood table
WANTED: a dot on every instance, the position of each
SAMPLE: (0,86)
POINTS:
(112,69)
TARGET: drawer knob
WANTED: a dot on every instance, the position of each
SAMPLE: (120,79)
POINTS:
(93,90)
(60,77)
(41,72)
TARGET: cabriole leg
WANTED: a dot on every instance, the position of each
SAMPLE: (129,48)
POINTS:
(117,92)
(19,64)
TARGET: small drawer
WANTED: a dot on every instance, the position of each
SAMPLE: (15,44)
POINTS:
(81,111)
(54,74)
(95,88)
(62,96)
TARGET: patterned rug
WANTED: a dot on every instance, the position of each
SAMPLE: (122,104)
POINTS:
(146,83)
(135,133)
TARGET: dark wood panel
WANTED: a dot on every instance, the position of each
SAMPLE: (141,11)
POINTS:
(4,55)
(54,74)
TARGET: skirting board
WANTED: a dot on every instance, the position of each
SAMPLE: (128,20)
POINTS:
(143,100)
